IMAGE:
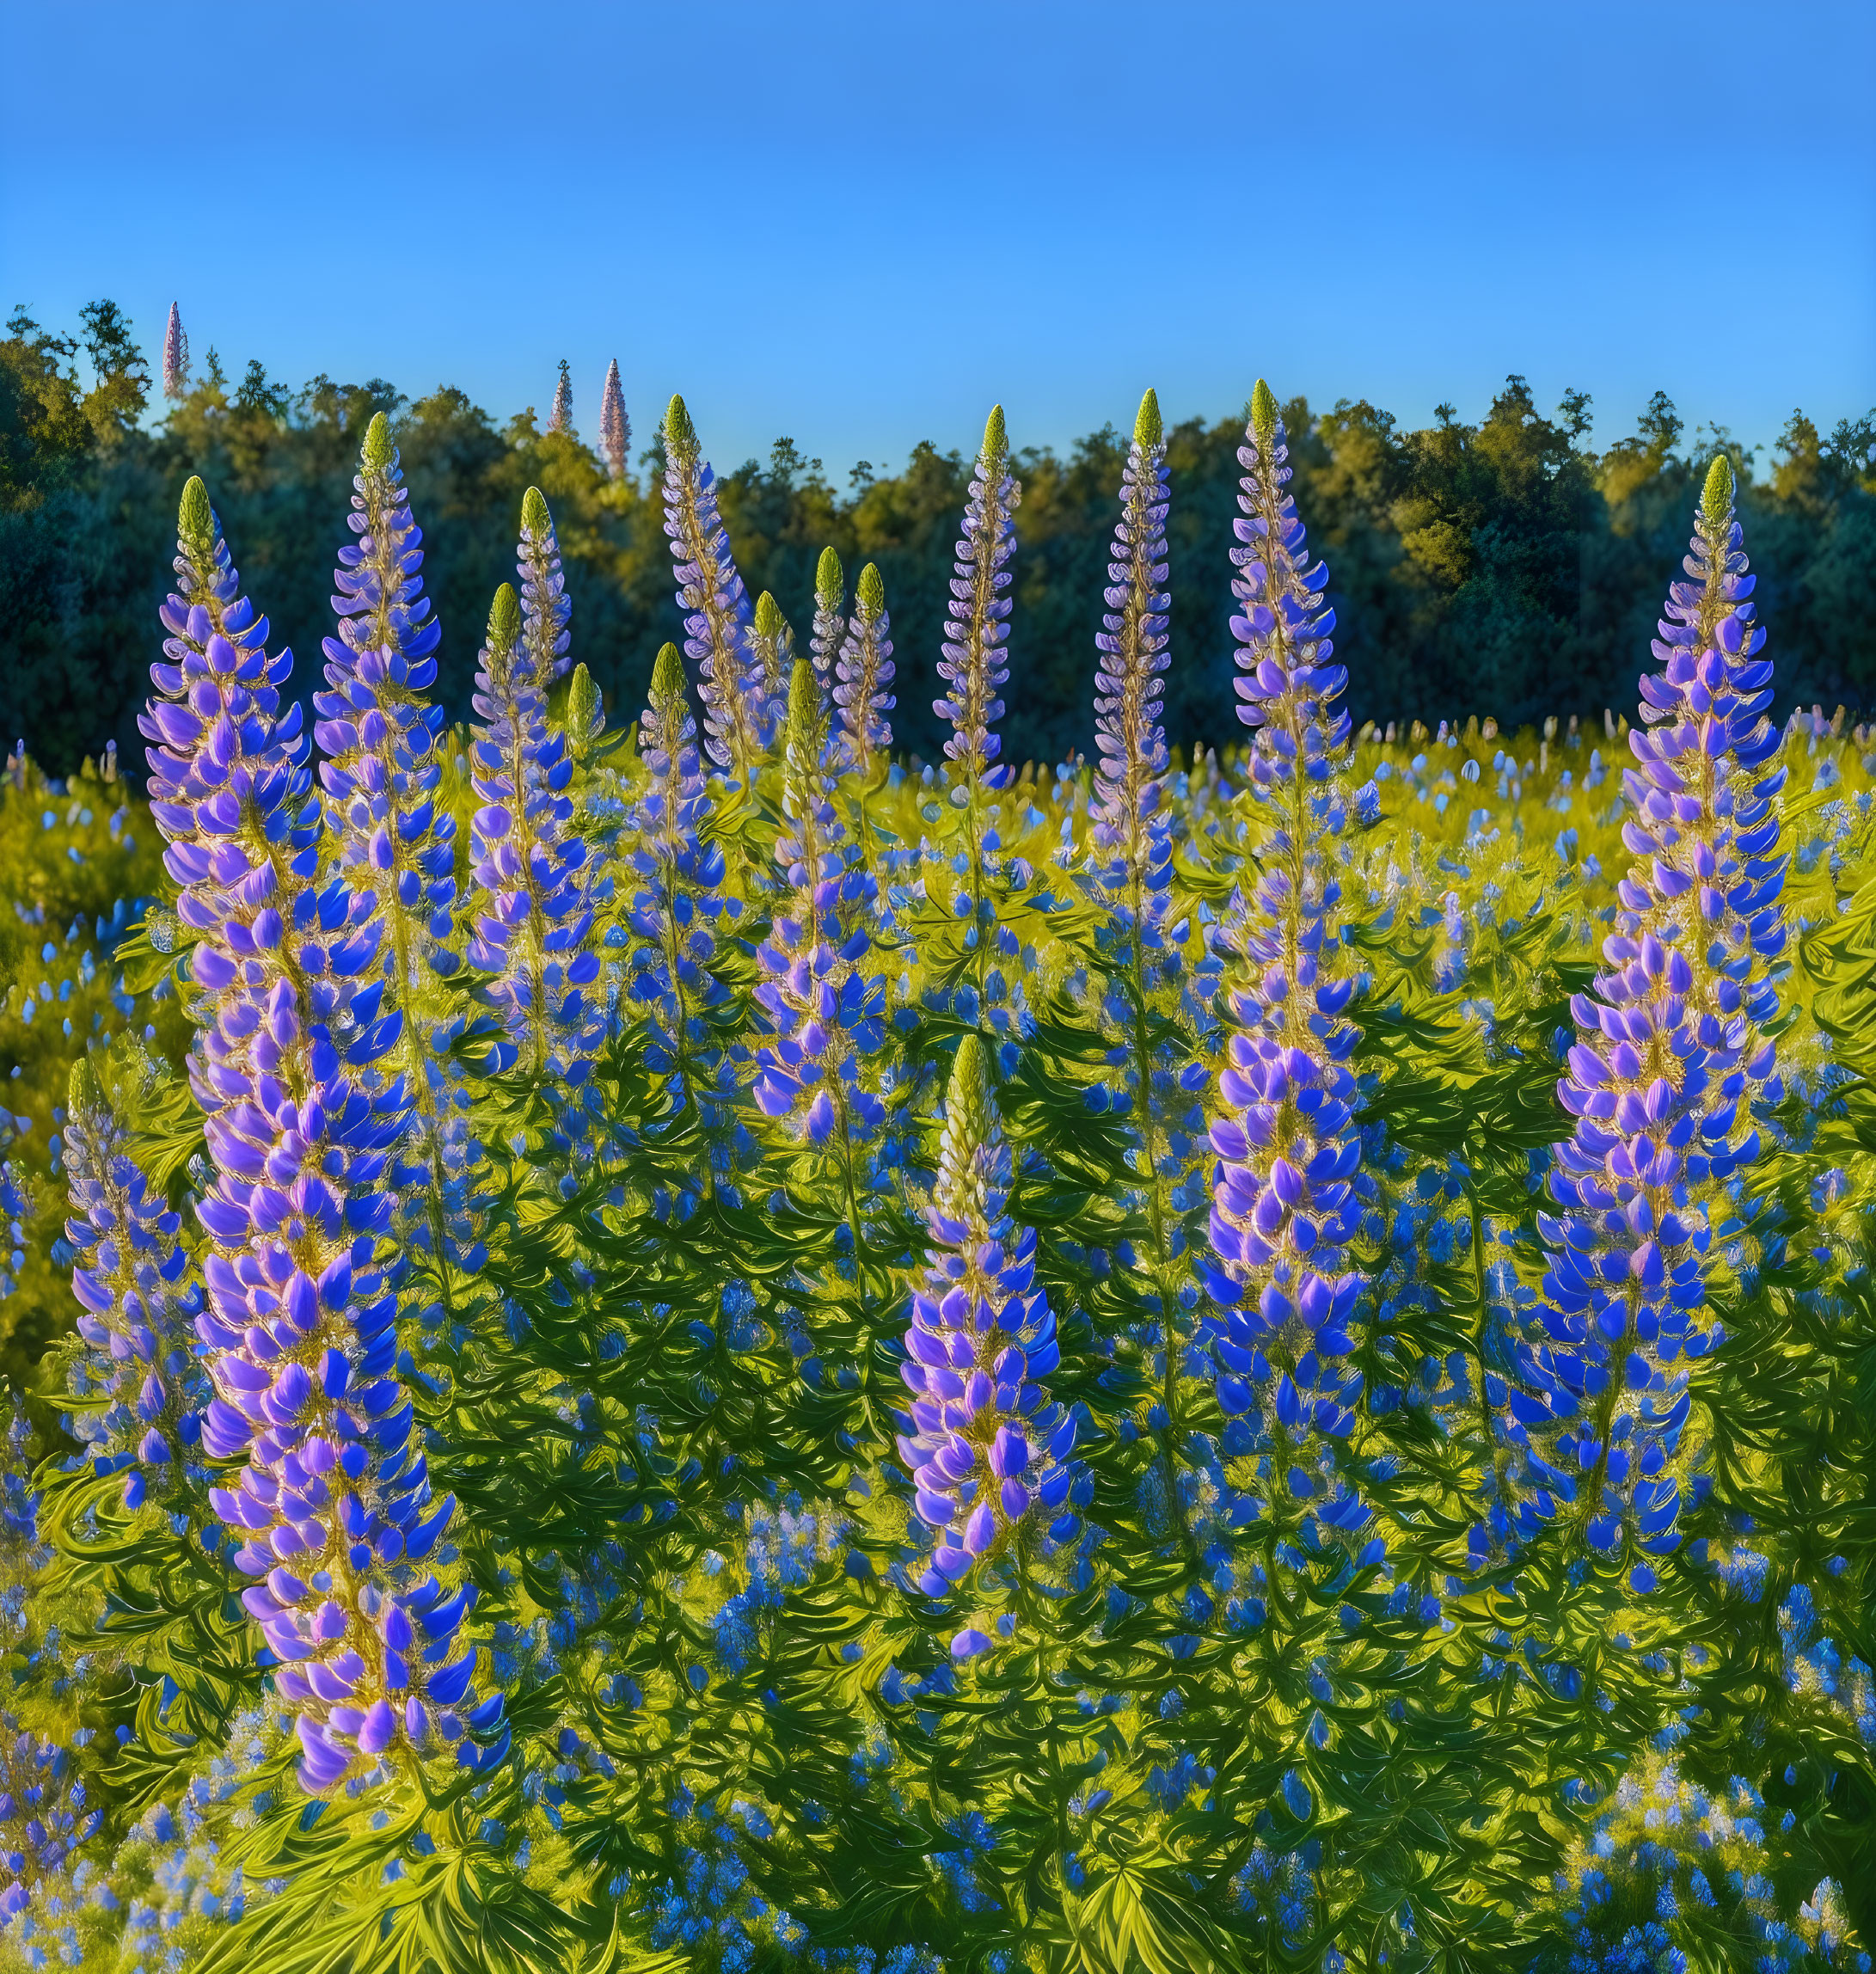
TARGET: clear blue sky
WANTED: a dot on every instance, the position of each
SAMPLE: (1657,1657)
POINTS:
(860,224)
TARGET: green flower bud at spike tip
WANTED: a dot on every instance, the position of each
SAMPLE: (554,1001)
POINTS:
(1716,502)
(1147,427)
(377,443)
(1263,415)
(804,708)
(535,517)
(996,438)
(195,523)
(83,1092)
(869,593)
(769,620)
(968,1123)
(680,434)
(586,713)
(668,674)
(830,579)
(504,619)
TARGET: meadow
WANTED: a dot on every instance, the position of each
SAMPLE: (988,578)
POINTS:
(669,1338)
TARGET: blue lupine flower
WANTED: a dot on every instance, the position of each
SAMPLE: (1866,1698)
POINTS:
(985,1445)
(863,677)
(18,1210)
(1697,1864)
(43,1812)
(737,718)
(771,649)
(533,909)
(679,903)
(381,779)
(967,868)
(1670,1054)
(825,1006)
(545,609)
(1131,852)
(830,633)
(1815,1668)
(332,1511)
(615,426)
(143,1390)
(1285,1200)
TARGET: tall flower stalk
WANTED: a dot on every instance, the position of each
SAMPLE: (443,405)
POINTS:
(1284,1201)
(561,418)
(333,1510)
(678,904)
(379,729)
(615,426)
(830,625)
(1671,1053)
(718,629)
(826,1007)
(175,355)
(140,1390)
(987,1449)
(862,689)
(533,914)
(771,645)
(1130,864)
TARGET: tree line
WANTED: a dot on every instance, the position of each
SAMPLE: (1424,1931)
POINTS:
(1505,567)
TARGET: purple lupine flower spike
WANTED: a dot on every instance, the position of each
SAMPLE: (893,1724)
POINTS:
(333,1513)
(44,1815)
(825,1005)
(830,626)
(1131,832)
(378,724)
(986,1448)
(1286,1193)
(138,1393)
(679,902)
(175,355)
(1670,1055)
(771,645)
(864,678)
(615,426)
(561,418)
(547,610)
(976,666)
(738,725)
(533,909)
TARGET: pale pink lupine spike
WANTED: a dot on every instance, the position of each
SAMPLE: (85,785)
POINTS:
(615,426)
(562,418)
(175,355)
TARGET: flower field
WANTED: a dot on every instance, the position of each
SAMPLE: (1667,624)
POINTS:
(660,1337)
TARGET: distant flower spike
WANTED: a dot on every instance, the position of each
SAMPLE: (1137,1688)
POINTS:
(1285,1203)
(615,426)
(561,418)
(175,355)
(986,1447)
(1671,1051)
(141,1390)
(864,675)
(333,1511)
(719,635)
